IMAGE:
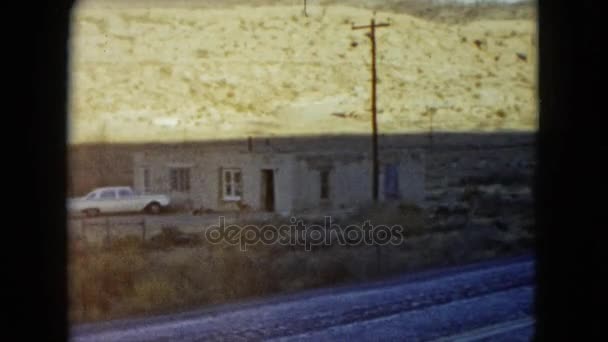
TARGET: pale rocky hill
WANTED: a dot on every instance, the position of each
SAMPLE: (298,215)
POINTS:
(178,73)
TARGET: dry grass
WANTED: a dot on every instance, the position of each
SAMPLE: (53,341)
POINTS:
(144,74)
(130,278)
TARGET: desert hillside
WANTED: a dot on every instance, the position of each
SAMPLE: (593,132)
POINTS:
(174,73)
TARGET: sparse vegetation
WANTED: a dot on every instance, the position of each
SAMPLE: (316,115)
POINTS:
(505,178)
(177,271)
(268,44)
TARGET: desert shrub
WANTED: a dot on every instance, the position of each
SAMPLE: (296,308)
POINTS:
(328,268)
(152,292)
(288,269)
(470,193)
(490,205)
(506,177)
(171,237)
(410,216)
(129,280)
(123,243)
(97,279)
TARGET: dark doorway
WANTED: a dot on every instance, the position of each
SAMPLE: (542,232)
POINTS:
(391,182)
(268,190)
(324,184)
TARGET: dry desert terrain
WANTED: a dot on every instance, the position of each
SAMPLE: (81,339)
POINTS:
(154,71)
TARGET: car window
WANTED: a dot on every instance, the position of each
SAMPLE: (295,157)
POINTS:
(107,194)
(125,193)
(92,195)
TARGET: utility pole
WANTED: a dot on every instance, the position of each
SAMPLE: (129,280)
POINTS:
(372,36)
(431,113)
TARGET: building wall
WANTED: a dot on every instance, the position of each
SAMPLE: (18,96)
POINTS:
(96,165)
(206,174)
(90,167)
(297,180)
(350,178)
(347,181)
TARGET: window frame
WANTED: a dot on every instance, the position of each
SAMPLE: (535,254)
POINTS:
(182,180)
(236,188)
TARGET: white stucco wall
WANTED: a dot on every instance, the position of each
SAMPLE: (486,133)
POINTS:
(351,178)
(205,177)
(296,177)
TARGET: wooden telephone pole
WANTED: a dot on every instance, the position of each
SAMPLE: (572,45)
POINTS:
(372,36)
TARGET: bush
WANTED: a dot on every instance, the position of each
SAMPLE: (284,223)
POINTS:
(470,193)
(171,237)
(410,216)
(126,279)
(123,243)
(508,178)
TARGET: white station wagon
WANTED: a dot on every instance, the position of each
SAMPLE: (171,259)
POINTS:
(115,200)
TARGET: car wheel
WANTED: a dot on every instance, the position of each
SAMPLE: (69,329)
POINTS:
(153,208)
(91,212)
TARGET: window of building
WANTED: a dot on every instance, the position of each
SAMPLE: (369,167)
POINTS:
(232,184)
(179,178)
(324,184)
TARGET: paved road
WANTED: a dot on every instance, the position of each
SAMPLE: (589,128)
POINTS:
(480,302)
